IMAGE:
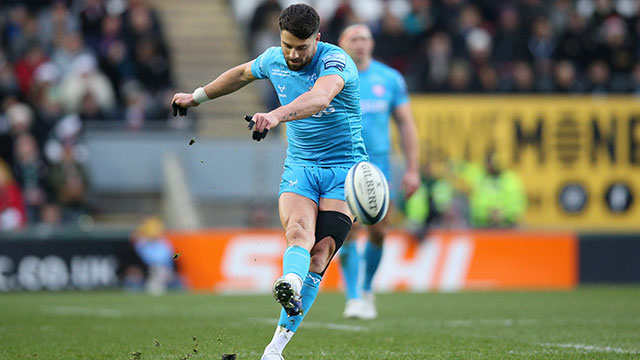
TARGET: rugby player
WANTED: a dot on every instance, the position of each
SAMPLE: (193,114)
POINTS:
(383,93)
(318,87)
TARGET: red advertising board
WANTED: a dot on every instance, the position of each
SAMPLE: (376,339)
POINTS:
(249,261)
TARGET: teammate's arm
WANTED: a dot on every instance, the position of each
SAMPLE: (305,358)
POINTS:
(305,105)
(409,141)
(228,82)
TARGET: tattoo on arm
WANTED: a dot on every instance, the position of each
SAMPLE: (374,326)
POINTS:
(291,115)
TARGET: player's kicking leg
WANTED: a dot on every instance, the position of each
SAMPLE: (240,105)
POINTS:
(332,227)
(298,216)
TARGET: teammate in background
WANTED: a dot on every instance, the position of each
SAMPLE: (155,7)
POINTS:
(383,93)
(318,87)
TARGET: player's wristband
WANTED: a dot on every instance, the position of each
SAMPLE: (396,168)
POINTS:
(199,95)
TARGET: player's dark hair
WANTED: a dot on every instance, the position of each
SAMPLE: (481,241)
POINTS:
(300,20)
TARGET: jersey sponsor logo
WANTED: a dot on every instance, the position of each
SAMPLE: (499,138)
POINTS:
(329,110)
(378,90)
(282,73)
(281,89)
(374,106)
(338,61)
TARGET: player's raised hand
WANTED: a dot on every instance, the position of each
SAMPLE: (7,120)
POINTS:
(257,136)
(410,182)
(181,102)
(265,121)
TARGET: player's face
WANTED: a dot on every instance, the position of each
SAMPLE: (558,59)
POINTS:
(358,45)
(298,52)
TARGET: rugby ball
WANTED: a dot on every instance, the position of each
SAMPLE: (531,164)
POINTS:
(367,192)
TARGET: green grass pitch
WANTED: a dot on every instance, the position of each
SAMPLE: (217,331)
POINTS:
(588,323)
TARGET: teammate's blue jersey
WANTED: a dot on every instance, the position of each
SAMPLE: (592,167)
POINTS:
(382,89)
(333,136)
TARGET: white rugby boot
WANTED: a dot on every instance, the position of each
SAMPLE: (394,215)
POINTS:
(288,296)
(369,311)
(354,309)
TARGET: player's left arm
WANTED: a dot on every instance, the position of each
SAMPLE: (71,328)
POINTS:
(305,105)
(409,142)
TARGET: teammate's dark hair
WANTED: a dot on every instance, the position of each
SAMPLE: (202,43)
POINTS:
(300,20)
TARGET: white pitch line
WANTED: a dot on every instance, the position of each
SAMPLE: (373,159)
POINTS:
(83,311)
(486,322)
(593,348)
(331,326)
(317,325)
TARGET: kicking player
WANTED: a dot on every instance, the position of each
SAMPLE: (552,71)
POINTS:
(383,93)
(318,87)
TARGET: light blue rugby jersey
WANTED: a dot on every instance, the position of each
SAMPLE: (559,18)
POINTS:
(382,89)
(333,136)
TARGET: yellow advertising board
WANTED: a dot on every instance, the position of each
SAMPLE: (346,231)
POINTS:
(579,157)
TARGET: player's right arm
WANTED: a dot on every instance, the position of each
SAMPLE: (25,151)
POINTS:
(228,82)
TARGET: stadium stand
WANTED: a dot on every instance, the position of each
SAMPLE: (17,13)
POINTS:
(68,66)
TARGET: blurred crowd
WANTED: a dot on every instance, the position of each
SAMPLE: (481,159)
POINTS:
(63,63)
(494,46)
(466,194)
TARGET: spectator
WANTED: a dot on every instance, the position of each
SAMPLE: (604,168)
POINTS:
(140,22)
(497,197)
(392,44)
(617,51)
(31,173)
(91,16)
(268,35)
(13,215)
(261,17)
(70,184)
(19,120)
(510,42)
(117,66)
(599,78)
(430,68)
(22,31)
(541,43)
(152,67)
(26,66)
(8,82)
(522,79)
(460,80)
(156,252)
(50,218)
(565,78)
(432,204)
(635,80)
(420,19)
(343,16)
(561,15)
(575,42)
(84,77)
(55,22)
(45,94)
(488,79)
(469,19)
(479,47)
(72,49)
